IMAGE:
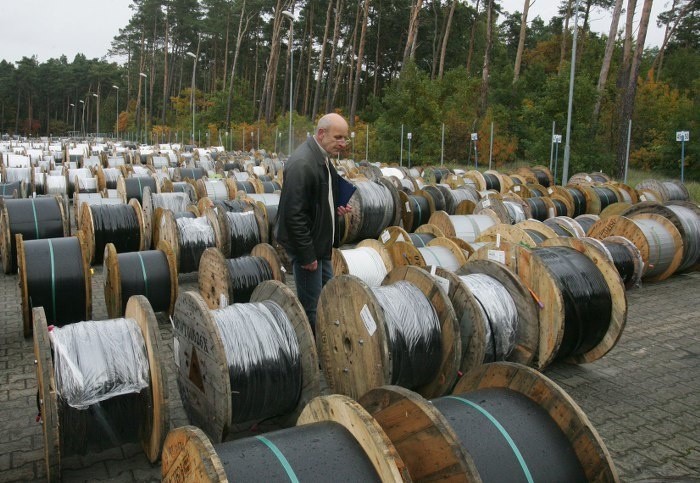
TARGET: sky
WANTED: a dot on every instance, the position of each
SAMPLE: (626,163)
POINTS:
(51,28)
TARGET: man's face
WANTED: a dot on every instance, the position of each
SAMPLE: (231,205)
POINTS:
(333,139)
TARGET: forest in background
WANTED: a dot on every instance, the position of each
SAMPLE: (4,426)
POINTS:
(385,64)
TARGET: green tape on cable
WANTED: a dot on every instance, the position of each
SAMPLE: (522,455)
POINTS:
(504,433)
(280,457)
(36,222)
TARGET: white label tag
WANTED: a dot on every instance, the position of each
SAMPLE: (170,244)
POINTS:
(176,351)
(408,207)
(516,188)
(284,270)
(550,190)
(368,320)
(444,283)
(497,256)
(385,236)
(223,301)
(486,203)
(498,240)
(642,198)
(589,179)
(433,269)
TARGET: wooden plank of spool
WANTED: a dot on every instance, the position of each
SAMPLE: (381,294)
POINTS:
(442,221)
(526,174)
(631,192)
(477,178)
(537,188)
(619,208)
(404,207)
(470,319)
(520,189)
(421,435)
(393,234)
(405,253)
(451,342)
(88,229)
(654,186)
(340,265)
(616,287)
(507,182)
(364,428)
(504,253)
(381,250)
(168,232)
(511,233)
(537,226)
(465,207)
(121,187)
(188,455)
(587,444)
(143,245)
(566,201)
(430,229)
(148,208)
(112,283)
(5,240)
(46,389)
(167,186)
(528,331)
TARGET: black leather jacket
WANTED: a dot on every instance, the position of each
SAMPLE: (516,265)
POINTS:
(303,225)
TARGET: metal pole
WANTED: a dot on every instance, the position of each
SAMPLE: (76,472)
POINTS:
(556,163)
(401,155)
(567,146)
(551,145)
(409,153)
(442,146)
(476,156)
(491,147)
(627,155)
(683,160)
(367,144)
(117,113)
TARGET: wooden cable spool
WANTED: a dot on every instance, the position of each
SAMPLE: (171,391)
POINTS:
(202,367)
(471,317)
(69,280)
(169,232)
(411,214)
(599,197)
(128,188)
(565,226)
(268,204)
(150,222)
(204,188)
(393,234)
(626,227)
(635,256)
(221,220)
(140,270)
(526,174)
(341,266)
(538,278)
(359,227)
(415,424)
(618,208)
(446,223)
(668,190)
(537,190)
(354,352)
(216,284)
(405,253)
(155,398)
(510,233)
(96,243)
(34,219)
(368,456)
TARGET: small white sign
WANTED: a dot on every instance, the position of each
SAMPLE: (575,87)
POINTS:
(368,320)
(409,135)
(385,236)
(176,351)
(444,283)
(475,136)
(556,138)
(516,188)
(408,207)
(497,256)
(486,203)
(682,136)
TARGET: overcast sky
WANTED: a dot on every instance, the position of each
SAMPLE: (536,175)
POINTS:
(51,28)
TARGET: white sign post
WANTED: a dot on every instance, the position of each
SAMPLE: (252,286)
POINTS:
(409,136)
(682,137)
(556,139)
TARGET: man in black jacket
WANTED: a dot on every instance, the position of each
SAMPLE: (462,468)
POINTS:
(307,217)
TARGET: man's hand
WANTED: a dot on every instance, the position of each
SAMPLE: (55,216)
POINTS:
(342,210)
(311,267)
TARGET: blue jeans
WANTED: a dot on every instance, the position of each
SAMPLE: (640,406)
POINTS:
(309,285)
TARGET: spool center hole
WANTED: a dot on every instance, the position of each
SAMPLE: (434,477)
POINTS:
(347,344)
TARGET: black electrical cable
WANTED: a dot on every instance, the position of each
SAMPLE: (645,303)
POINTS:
(420,209)
(243,231)
(11,190)
(232,206)
(245,186)
(271,186)
(586,223)
(264,177)
(622,259)
(587,299)
(421,240)
(579,201)
(437,196)
(538,208)
(232,166)
(194,236)
(33,218)
(117,224)
(263,358)
(323,451)
(414,334)
(145,273)
(561,230)
(542,177)
(192,173)
(606,195)
(510,437)
(185,187)
(55,279)
(560,207)
(184,214)
(440,173)
(516,180)
(377,209)
(134,187)
(246,273)
(534,191)
(492,182)
(536,236)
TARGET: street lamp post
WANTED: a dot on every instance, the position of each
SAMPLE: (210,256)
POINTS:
(73,106)
(194,70)
(145,106)
(410,135)
(117,88)
(290,16)
(82,119)
(98,114)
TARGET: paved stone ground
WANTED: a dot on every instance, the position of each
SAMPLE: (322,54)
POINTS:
(643,397)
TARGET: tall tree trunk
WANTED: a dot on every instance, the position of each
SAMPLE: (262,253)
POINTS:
(487,54)
(322,60)
(564,34)
(436,6)
(351,58)
(627,48)
(307,77)
(331,85)
(267,99)
(445,38)
(228,25)
(409,49)
(239,38)
(358,70)
(165,73)
(521,42)
(631,91)
(376,51)
(470,53)
(659,59)
(607,58)
(17,112)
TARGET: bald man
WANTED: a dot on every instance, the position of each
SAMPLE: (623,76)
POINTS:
(307,217)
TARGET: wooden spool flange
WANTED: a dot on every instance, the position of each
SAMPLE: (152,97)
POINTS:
(215,278)
(113,280)
(586,442)
(393,234)
(352,334)
(537,226)
(203,375)
(511,233)
(152,434)
(403,253)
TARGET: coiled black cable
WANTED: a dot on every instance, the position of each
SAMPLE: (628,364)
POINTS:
(134,187)
(145,273)
(538,208)
(117,224)
(536,236)
(377,209)
(437,196)
(492,182)
(587,221)
(560,207)
(420,209)
(33,218)
(579,201)
(246,273)
(622,259)
(192,173)
(243,231)
(11,190)
(271,186)
(194,236)
(421,240)
(245,186)
(587,299)
(606,195)
(542,177)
